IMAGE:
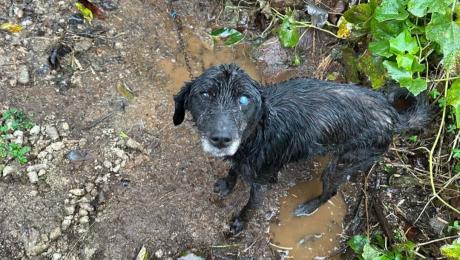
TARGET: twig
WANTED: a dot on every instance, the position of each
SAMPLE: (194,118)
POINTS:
(280,247)
(436,240)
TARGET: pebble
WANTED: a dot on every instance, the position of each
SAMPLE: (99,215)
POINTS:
(86,206)
(33,193)
(56,256)
(65,126)
(84,220)
(23,75)
(159,253)
(36,167)
(55,233)
(33,177)
(66,223)
(57,146)
(89,187)
(133,144)
(77,192)
(52,132)
(42,154)
(83,45)
(35,130)
(120,153)
(107,164)
(38,249)
(83,212)
(8,170)
(19,137)
(69,210)
(41,172)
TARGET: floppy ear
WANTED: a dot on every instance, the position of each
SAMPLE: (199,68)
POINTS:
(181,100)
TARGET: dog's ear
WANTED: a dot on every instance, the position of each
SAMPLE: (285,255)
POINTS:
(181,101)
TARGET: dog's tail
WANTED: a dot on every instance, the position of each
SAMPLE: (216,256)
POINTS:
(415,112)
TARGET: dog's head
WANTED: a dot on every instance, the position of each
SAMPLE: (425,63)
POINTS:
(226,105)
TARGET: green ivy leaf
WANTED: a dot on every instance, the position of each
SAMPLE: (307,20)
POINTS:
(391,10)
(288,33)
(415,86)
(405,61)
(229,35)
(403,43)
(359,14)
(395,72)
(453,99)
(420,8)
(372,67)
(386,30)
(445,32)
(357,243)
(452,251)
(380,48)
(370,252)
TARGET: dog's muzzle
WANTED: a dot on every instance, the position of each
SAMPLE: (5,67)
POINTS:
(220,148)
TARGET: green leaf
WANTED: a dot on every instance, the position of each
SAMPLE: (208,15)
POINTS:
(420,8)
(445,32)
(230,36)
(386,30)
(452,251)
(359,14)
(391,10)
(296,60)
(405,61)
(395,72)
(372,67)
(412,138)
(288,33)
(87,14)
(380,48)
(453,99)
(403,43)
(370,252)
(455,226)
(415,86)
(357,243)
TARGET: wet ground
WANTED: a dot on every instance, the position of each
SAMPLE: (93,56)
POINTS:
(161,197)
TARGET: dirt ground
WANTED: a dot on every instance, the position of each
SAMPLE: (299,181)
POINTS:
(140,181)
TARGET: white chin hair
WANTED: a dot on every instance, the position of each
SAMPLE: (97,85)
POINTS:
(227,151)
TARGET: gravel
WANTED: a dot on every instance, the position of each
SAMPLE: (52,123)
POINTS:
(33,177)
(52,132)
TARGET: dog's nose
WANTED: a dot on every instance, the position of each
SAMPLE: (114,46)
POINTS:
(220,140)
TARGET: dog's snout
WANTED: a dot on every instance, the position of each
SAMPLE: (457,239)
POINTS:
(220,140)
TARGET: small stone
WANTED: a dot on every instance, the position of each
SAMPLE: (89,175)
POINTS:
(36,167)
(107,164)
(77,192)
(57,146)
(8,170)
(23,75)
(52,132)
(56,256)
(84,220)
(55,233)
(41,172)
(35,130)
(86,206)
(89,187)
(33,193)
(75,80)
(159,253)
(120,153)
(66,224)
(33,177)
(118,45)
(83,45)
(69,210)
(133,144)
(83,212)
(65,126)
(19,137)
(42,154)
(85,199)
(38,249)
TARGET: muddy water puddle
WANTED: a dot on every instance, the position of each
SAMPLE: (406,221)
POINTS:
(203,56)
(308,237)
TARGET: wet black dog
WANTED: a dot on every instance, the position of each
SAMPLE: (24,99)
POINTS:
(260,129)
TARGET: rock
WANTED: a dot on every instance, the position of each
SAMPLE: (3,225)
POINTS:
(89,187)
(77,192)
(75,80)
(88,253)
(65,126)
(41,172)
(69,210)
(83,212)
(37,167)
(23,74)
(39,248)
(86,206)
(120,153)
(133,144)
(35,130)
(190,256)
(83,45)
(33,193)
(55,233)
(107,164)
(56,256)
(437,225)
(33,177)
(84,220)
(42,154)
(57,146)
(8,170)
(159,253)
(19,137)
(66,223)
(52,132)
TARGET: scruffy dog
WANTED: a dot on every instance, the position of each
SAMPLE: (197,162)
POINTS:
(260,129)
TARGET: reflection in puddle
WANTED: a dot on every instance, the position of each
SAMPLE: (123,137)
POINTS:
(313,236)
(202,56)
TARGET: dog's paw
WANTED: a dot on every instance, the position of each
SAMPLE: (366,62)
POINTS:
(222,187)
(307,208)
(236,226)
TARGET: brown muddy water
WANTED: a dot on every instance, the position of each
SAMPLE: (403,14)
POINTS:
(311,237)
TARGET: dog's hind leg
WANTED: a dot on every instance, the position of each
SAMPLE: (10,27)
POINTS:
(331,181)
(224,186)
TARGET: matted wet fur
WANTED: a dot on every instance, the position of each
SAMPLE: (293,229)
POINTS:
(260,129)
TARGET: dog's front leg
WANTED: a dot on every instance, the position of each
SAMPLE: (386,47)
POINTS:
(255,200)
(224,186)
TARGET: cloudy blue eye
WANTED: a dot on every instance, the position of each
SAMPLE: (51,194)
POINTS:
(244,100)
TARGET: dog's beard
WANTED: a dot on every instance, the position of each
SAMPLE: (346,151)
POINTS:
(220,152)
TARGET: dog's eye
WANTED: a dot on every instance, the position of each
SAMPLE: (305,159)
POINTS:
(244,100)
(205,94)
